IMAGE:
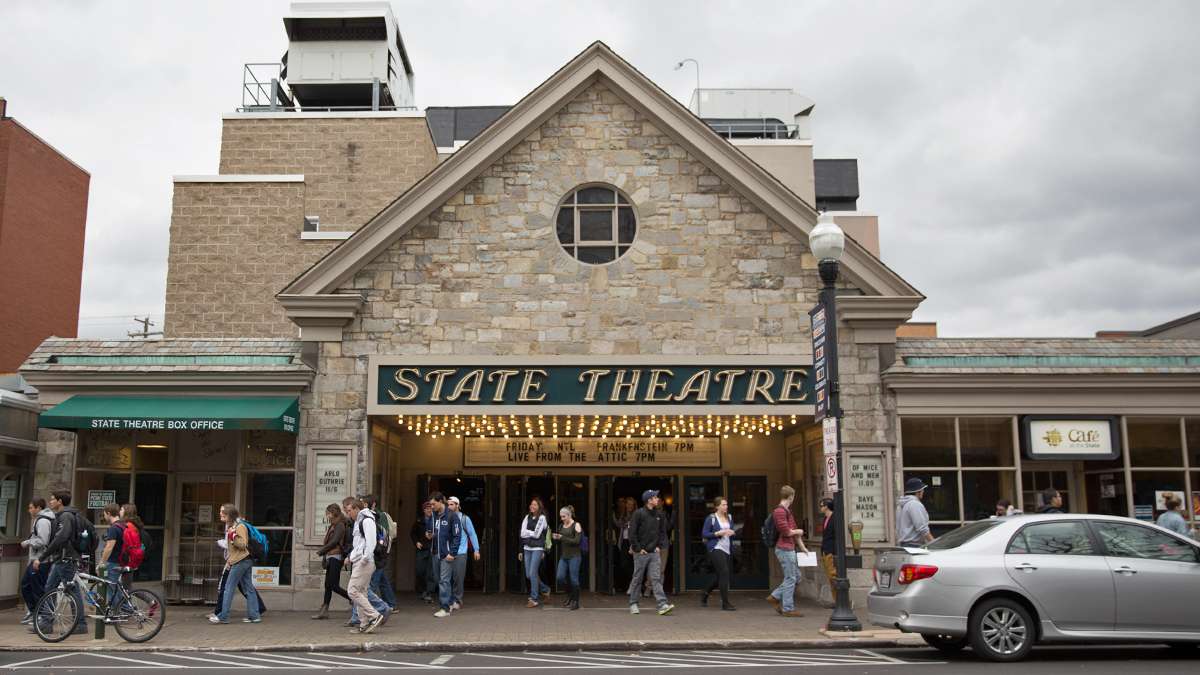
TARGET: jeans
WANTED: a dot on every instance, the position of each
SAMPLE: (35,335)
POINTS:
(333,580)
(113,573)
(381,584)
(241,578)
(720,562)
(644,564)
(445,576)
(63,571)
(360,587)
(568,573)
(262,606)
(664,553)
(459,573)
(33,584)
(533,567)
(785,592)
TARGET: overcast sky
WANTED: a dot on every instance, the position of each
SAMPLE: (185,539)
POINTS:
(1035,166)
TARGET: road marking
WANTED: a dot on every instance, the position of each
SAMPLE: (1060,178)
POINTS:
(444,658)
(890,659)
(273,662)
(141,662)
(200,658)
(557,660)
(44,658)
(391,664)
(314,663)
(673,658)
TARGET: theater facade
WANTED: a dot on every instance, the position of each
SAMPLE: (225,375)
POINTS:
(597,295)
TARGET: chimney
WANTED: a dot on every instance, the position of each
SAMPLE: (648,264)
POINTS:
(3,108)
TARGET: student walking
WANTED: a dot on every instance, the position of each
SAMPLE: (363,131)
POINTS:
(784,595)
(421,533)
(533,549)
(107,564)
(459,567)
(66,550)
(718,533)
(912,520)
(829,546)
(645,530)
(381,581)
(237,566)
(569,537)
(372,597)
(334,549)
(362,560)
(33,581)
(447,537)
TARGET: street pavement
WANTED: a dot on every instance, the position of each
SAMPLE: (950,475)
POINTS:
(894,661)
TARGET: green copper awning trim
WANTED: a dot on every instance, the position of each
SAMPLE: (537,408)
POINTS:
(196,413)
(1052,361)
(175,360)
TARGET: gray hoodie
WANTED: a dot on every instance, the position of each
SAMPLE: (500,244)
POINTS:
(40,536)
(912,521)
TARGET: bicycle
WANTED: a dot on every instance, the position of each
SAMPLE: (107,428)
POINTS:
(138,614)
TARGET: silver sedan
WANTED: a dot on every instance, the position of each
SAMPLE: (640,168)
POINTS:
(1003,584)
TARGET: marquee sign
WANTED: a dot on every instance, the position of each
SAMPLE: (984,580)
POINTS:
(541,452)
(725,388)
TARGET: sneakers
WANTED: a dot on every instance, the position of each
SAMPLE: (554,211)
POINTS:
(791,613)
(531,603)
(775,603)
(370,626)
(254,620)
(665,609)
(213,618)
(387,614)
(455,607)
(633,609)
(441,614)
(28,620)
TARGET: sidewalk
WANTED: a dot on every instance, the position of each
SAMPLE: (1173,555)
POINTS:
(488,623)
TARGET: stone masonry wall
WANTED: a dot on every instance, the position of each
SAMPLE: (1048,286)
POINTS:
(233,247)
(352,166)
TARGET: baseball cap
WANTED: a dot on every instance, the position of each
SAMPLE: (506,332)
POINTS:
(648,495)
(453,500)
(913,485)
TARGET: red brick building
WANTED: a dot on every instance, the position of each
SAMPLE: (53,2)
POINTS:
(43,209)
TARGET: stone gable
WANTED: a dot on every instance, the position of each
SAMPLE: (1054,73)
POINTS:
(485,274)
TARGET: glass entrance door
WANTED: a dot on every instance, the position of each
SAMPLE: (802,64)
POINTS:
(519,492)
(748,507)
(200,560)
(572,491)
(698,495)
(479,498)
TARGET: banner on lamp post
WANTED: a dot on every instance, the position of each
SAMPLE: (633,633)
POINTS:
(820,369)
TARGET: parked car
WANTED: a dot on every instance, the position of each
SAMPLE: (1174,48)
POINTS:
(1004,584)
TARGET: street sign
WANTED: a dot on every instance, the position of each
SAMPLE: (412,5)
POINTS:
(829,430)
(831,473)
(98,499)
(820,372)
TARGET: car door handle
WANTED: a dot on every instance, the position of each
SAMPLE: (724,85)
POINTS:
(1025,567)
(1126,570)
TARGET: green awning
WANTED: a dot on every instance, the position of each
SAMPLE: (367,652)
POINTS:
(196,413)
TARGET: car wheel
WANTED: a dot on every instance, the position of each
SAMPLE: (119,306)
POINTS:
(949,644)
(1001,630)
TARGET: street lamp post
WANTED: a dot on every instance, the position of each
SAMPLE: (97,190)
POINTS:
(827,241)
(697,64)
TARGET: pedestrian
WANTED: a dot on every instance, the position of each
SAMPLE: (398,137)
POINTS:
(784,595)
(666,531)
(447,536)
(372,597)
(381,581)
(421,533)
(718,534)
(569,537)
(1005,508)
(238,564)
(66,551)
(33,581)
(108,564)
(224,578)
(645,532)
(468,540)
(533,549)
(912,520)
(333,552)
(829,546)
(362,561)
(1052,501)
(1172,519)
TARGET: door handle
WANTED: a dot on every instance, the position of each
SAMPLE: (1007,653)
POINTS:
(1126,570)
(1025,567)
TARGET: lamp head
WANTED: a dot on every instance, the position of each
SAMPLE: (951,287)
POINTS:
(678,65)
(827,241)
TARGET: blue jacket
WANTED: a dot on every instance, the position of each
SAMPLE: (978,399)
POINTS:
(711,527)
(469,531)
(447,533)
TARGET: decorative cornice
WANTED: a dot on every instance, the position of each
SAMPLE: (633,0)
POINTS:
(874,318)
(321,318)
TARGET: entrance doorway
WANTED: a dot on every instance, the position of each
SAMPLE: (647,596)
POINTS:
(1037,476)
(620,496)
(554,492)
(200,562)
(479,497)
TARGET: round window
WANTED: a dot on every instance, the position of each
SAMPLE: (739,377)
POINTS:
(596,224)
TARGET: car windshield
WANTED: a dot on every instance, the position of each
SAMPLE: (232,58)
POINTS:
(956,538)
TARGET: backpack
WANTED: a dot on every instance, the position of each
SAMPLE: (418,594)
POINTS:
(381,541)
(85,535)
(389,528)
(133,549)
(256,542)
(770,534)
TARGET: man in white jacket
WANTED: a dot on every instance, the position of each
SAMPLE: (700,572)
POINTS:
(362,558)
(33,583)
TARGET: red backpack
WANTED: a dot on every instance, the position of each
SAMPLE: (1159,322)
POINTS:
(132,550)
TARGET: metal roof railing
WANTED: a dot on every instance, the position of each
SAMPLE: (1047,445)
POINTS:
(765,128)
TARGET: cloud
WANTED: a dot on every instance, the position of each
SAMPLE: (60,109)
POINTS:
(1032,163)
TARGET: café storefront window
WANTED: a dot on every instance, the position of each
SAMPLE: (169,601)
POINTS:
(1158,465)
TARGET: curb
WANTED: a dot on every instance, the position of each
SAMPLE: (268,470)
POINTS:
(463,647)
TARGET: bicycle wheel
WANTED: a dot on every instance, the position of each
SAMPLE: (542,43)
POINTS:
(56,615)
(142,616)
